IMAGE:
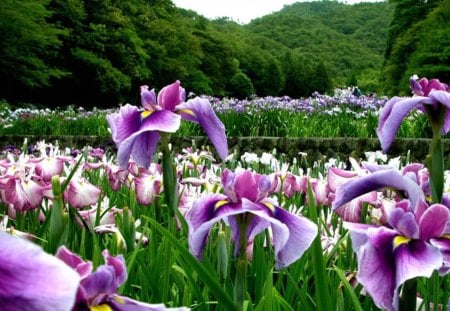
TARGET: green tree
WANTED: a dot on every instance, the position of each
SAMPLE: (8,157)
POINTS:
(401,42)
(431,56)
(28,46)
(241,86)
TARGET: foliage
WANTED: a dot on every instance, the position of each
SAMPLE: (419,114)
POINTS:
(322,116)
(28,46)
(417,43)
(98,53)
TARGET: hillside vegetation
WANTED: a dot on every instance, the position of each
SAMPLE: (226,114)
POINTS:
(98,53)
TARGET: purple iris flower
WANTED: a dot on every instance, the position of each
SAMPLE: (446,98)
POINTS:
(137,132)
(411,243)
(428,93)
(245,200)
(33,280)
(98,289)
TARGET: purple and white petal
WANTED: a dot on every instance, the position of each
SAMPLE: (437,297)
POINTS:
(292,234)
(200,110)
(144,147)
(170,96)
(358,234)
(33,280)
(375,181)
(376,266)
(392,115)
(443,245)
(404,222)
(433,222)
(84,268)
(203,215)
(124,123)
(148,98)
(443,97)
(416,259)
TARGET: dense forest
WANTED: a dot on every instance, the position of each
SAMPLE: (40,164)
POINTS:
(98,52)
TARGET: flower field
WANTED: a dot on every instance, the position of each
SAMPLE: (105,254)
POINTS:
(340,115)
(149,229)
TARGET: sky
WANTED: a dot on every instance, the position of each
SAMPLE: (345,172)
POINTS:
(241,11)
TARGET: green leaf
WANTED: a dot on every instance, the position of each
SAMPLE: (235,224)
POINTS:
(223,298)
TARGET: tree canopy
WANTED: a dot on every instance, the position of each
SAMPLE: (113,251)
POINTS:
(98,53)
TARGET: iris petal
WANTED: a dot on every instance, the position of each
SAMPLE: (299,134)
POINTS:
(204,114)
(378,180)
(392,115)
(292,234)
(416,259)
(124,123)
(434,221)
(170,96)
(377,266)
(41,282)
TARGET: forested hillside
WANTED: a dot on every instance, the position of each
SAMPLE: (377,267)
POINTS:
(349,40)
(98,53)
(418,43)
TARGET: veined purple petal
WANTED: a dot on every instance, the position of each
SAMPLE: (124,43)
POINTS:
(246,186)
(443,244)
(200,110)
(170,96)
(33,280)
(351,211)
(147,188)
(337,177)
(358,234)
(84,268)
(376,264)
(161,120)
(203,214)
(443,97)
(148,98)
(124,123)
(434,221)
(378,180)
(292,234)
(143,143)
(98,284)
(228,180)
(118,264)
(392,115)
(404,222)
(144,147)
(415,259)
(81,193)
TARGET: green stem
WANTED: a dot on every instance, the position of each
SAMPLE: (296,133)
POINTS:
(240,286)
(408,300)
(435,160)
(436,167)
(169,176)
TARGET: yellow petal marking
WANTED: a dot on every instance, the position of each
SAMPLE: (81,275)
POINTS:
(146,113)
(102,307)
(220,203)
(187,111)
(399,240)
(270,206)
(119,300)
